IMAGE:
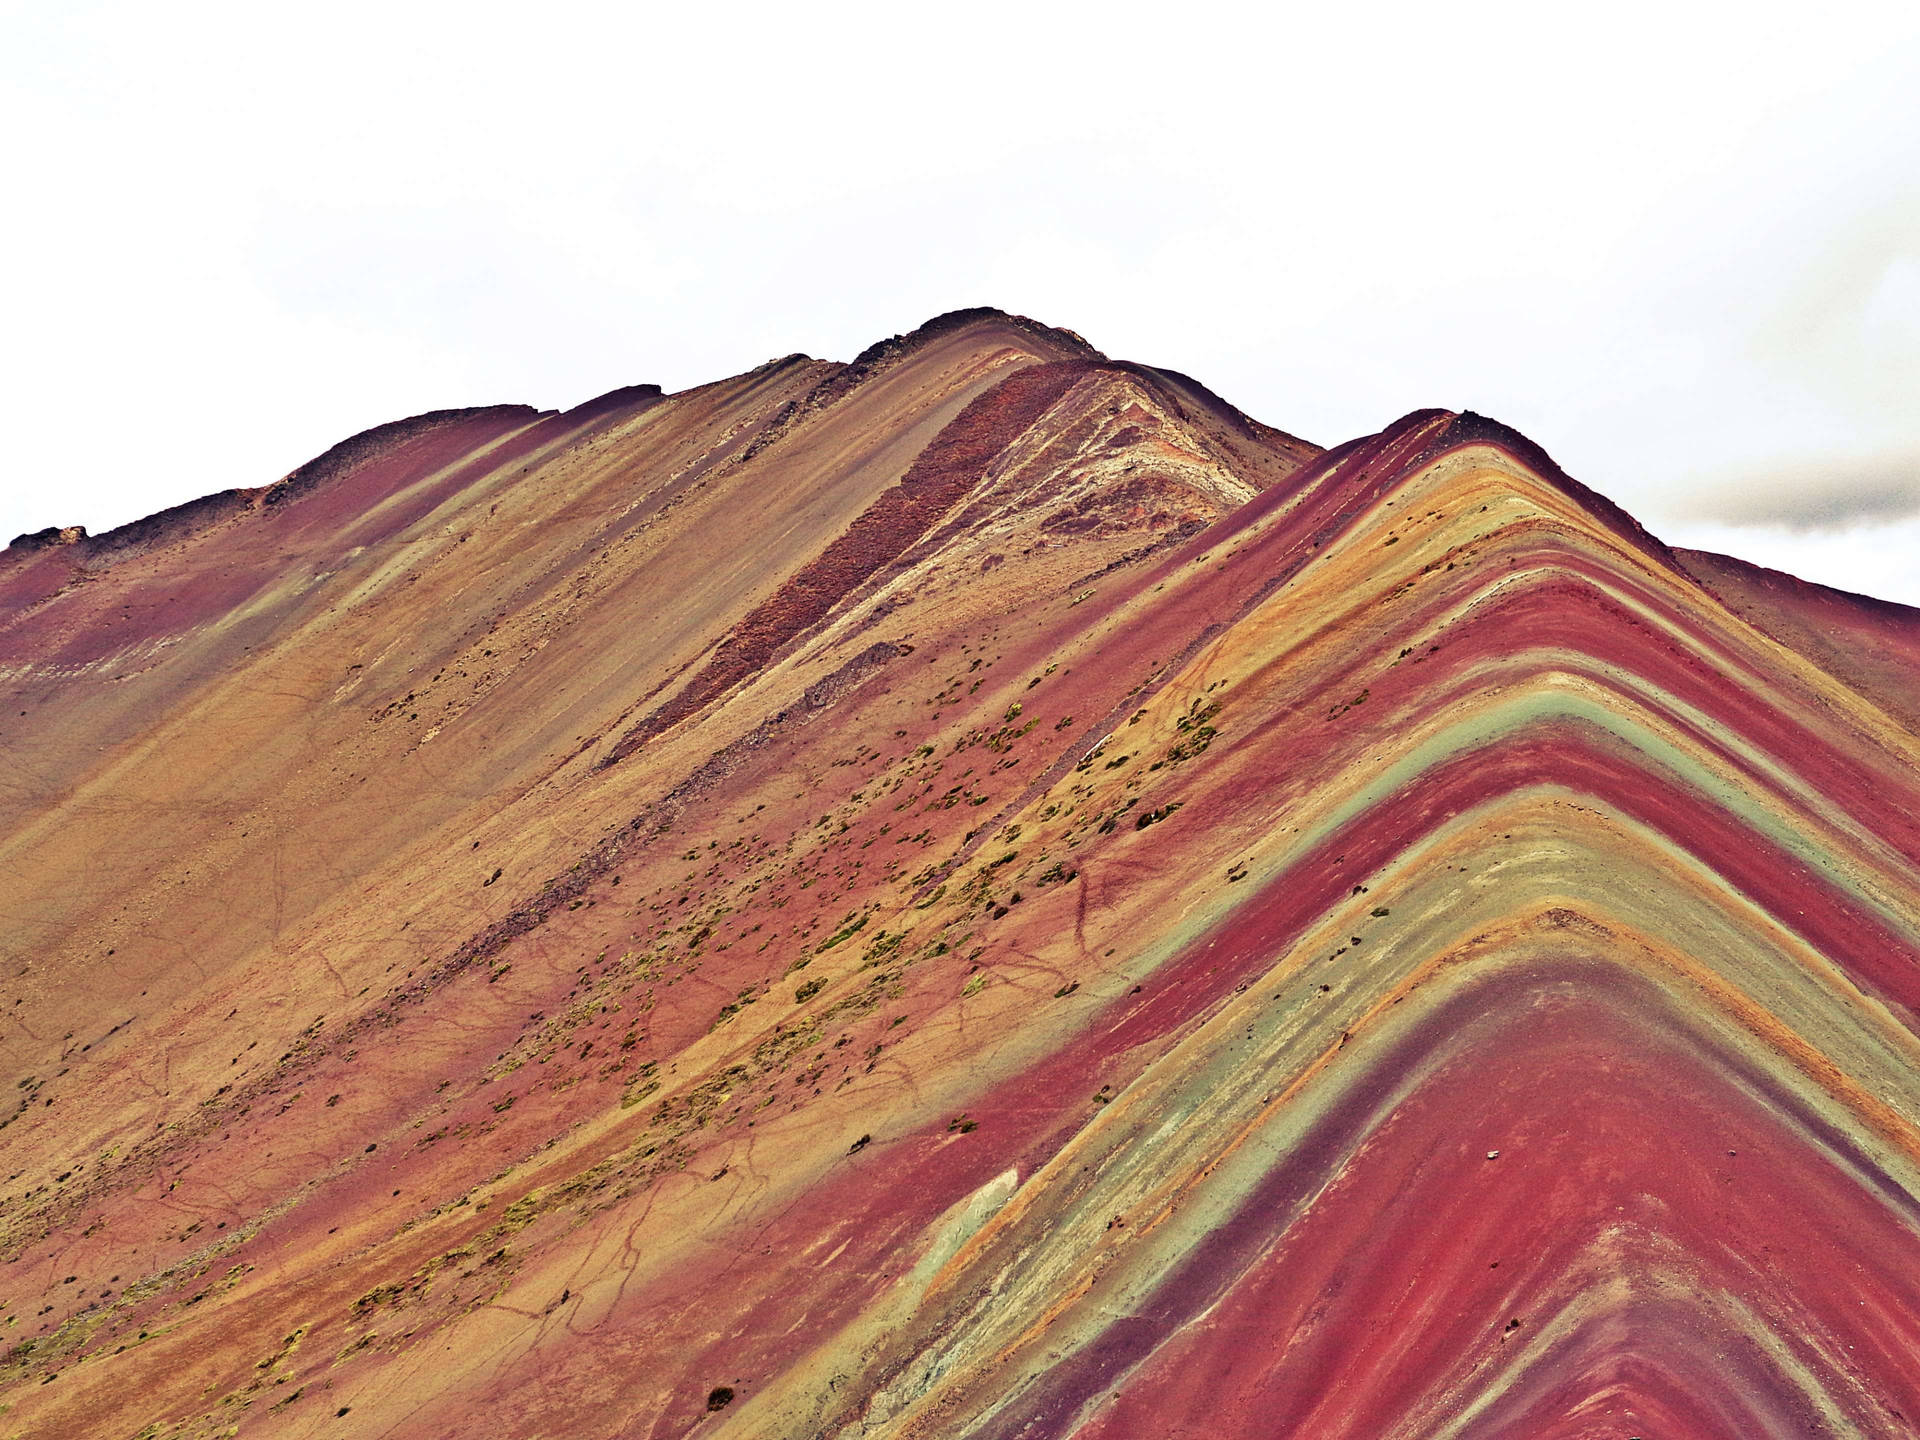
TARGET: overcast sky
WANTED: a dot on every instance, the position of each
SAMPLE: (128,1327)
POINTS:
(1677,245)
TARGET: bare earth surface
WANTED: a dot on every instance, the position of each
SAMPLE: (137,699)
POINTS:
(978,892)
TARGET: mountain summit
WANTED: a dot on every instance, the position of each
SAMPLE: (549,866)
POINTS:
(975,892)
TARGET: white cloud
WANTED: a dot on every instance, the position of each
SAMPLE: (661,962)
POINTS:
(1664,245)
(1831,493)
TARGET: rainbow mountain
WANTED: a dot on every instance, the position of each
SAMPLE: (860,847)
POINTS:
(975,892)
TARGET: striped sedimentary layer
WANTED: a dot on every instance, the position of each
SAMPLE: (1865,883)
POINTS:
(1096,920)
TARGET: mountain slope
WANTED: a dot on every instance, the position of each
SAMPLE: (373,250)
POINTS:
(976,892)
